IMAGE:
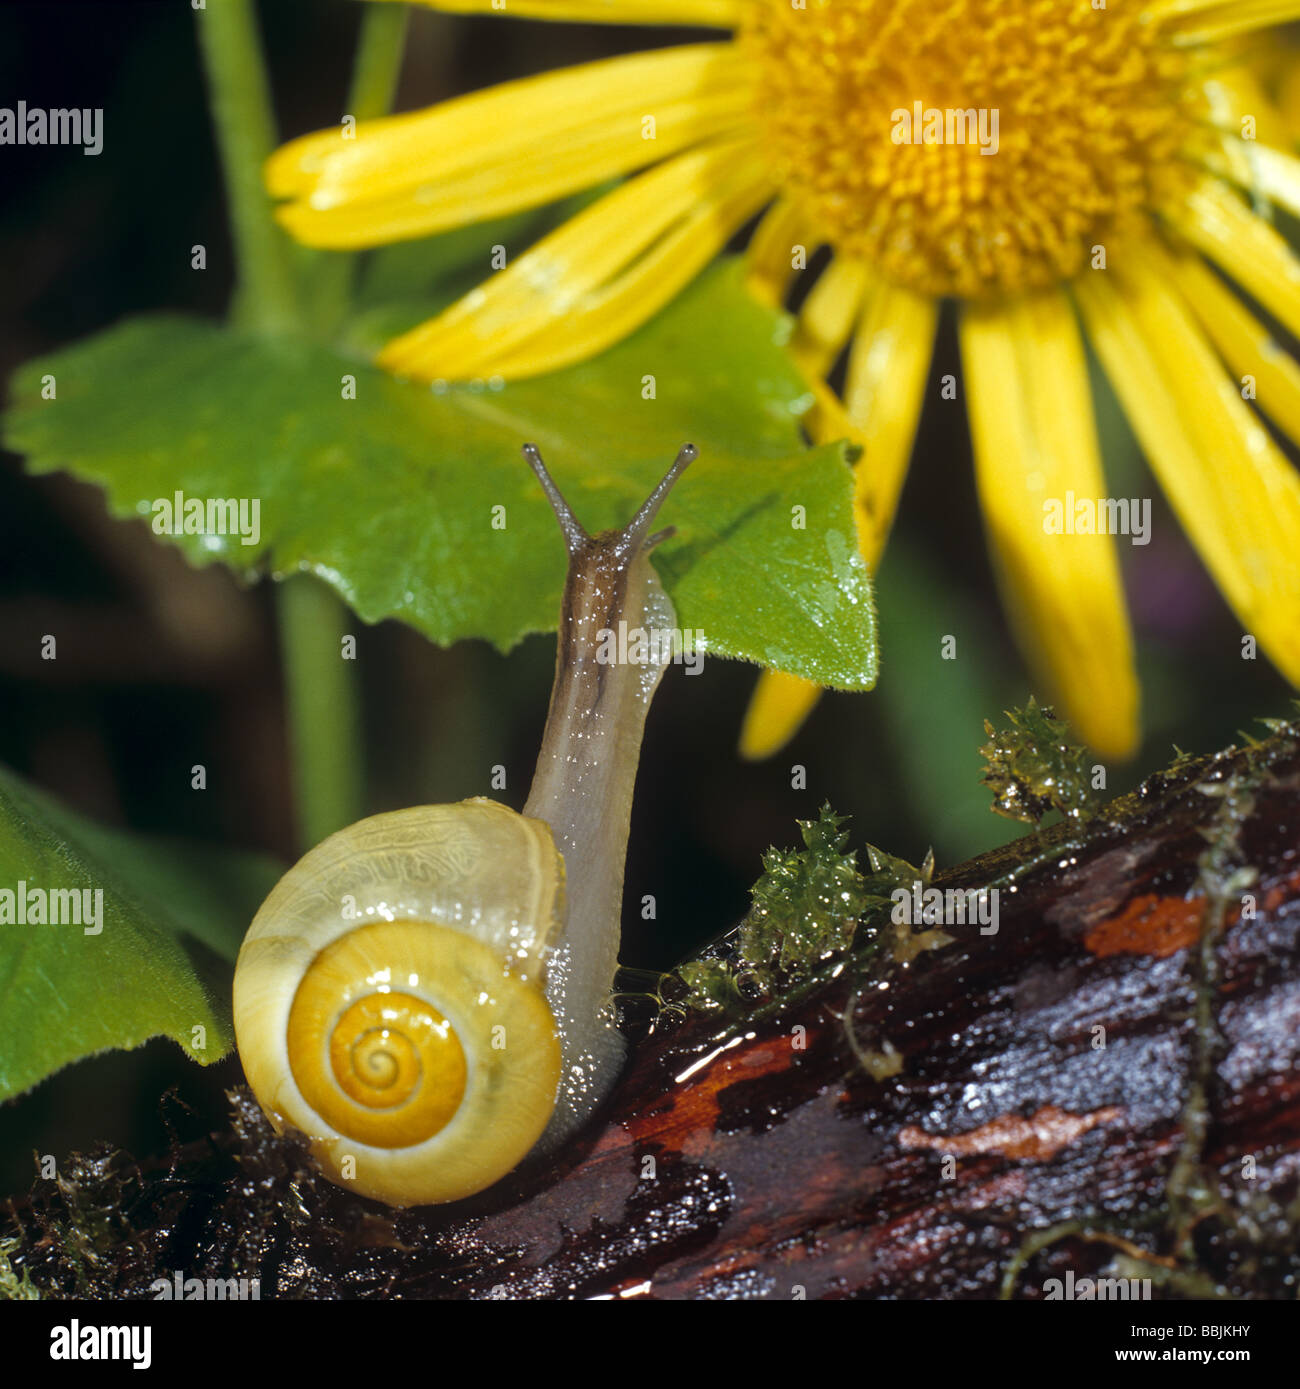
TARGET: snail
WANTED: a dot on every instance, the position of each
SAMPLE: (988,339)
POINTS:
(426,994)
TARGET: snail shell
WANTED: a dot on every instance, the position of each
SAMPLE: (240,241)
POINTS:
(390,1000)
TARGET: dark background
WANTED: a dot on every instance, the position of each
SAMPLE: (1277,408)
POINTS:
(161,666)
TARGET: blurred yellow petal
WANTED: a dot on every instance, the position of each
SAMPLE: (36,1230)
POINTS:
(1244,342)
(1236,93)
(826,317)
(1035,443)
(1288,96)
(595,279)
(888,367)
(770,257)
(1252,153)
(712,14)
(1203,21)
(1234,493)
(1243,245)
(514,146)
(1241,108)
(777,708)
(1260,171)
(1277,176)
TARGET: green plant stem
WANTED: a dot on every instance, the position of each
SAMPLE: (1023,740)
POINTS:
(324,707)
(325,722)
(265,297)
(379,61)
(377,67)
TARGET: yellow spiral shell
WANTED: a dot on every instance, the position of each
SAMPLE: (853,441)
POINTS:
(389,999)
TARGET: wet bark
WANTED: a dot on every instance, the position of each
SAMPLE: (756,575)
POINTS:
(1106,1085)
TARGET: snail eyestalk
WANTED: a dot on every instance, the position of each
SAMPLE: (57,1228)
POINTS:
(640,523)
(570,526)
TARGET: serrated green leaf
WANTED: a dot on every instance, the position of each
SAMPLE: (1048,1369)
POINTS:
(389,497)
(173,916)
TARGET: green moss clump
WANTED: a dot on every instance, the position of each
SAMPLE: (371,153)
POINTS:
(806,909)
(712,985)
(15,1286)
(1032,767)
(807,903)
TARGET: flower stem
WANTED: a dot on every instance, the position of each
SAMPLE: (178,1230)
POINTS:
(265,294)
(375,72)
(379,61)
(325,732)
(325,727)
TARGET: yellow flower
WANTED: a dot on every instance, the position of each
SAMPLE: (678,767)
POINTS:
(1088,168)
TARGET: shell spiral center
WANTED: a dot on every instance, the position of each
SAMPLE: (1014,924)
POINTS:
(380,1065)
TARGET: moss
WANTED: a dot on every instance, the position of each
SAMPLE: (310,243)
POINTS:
(806,912)
(806,904)
(1032,767)
(813,909)
(712,985)
(15,1285)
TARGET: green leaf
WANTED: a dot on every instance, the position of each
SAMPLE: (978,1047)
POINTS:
(389,497)
(171,920)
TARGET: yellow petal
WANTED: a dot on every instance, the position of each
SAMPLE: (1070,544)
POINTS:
(1245,343)
(826,318)
(1259,171)
(712,14)
(1202,21)
(1214,219)
(514,146)
(1240,107)
(637,294)
(779,705)
(1276,175)
(592,281)
(1036,445)
(770,257)
(888,366)
(1234,493)
(1288,94)
(1235,93)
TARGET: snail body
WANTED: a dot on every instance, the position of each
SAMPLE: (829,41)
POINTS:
(425,995)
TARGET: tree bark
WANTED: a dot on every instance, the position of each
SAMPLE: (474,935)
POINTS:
(1105,1086)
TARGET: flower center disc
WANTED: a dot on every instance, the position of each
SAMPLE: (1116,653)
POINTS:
(969,147)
